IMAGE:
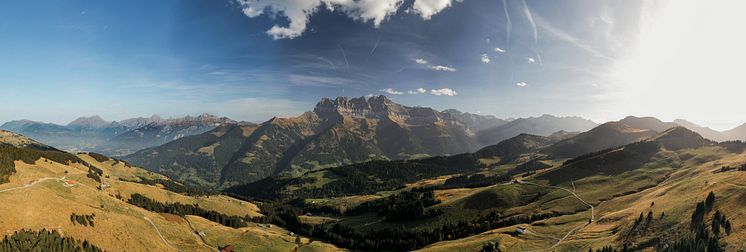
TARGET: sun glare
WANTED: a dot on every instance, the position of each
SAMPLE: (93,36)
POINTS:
(687,58)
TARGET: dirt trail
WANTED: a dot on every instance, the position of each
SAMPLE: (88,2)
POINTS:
(32,184)
(159,233)
(574,195)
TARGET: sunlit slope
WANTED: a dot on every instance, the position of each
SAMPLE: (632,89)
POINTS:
(45,194)
(669,183)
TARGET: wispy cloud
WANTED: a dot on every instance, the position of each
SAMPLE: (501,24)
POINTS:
(317,80)
(499,50)
(568,38)
(521,84)
(422,61)
(443,68)
(375,46)
(530,18)
(344,55)
(443,92)
(391,91)
(508,23)
(417,91)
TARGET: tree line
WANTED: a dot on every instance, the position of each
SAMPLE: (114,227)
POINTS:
(361,178)
(407,205)
(184,209)
(42,241)
(175,186)
(732,168)
(9,154)
(390,238)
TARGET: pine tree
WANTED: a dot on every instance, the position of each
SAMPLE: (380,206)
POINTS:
(710,201)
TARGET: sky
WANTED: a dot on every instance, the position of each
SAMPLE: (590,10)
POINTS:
(254,59)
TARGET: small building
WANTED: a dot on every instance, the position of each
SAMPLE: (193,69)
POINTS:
(520,230)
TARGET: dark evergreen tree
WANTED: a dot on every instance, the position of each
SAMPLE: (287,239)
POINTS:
(710,201)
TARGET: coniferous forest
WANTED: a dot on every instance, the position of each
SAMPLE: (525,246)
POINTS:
(183,209)
(43,241)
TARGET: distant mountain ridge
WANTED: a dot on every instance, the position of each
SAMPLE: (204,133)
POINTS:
(660,126)
(543,126)
(114,138)
(738,133)
(336,132)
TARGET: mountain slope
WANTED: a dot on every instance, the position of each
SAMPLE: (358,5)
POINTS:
(705,131)
(456,204)
(681,138)
(543,126)
(337,132)
(738,133)
(44,194)
(648,123)
(514,147)
(607,135)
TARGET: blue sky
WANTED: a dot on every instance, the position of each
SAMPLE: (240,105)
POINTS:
(120,59)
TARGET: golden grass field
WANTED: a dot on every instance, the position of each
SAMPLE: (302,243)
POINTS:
(37,198)
(676,196)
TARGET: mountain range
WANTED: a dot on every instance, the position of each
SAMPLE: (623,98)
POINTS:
(338,131)
(345,131)
(114,138)
(219,152)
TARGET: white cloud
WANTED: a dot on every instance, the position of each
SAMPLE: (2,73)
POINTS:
(366,10)
(499,50)
(298,12)
(443,68)
(443,91)
(391,91)
(427,8)
(521,84)
(417,91)
(531,60)
(485,58)
(422,61)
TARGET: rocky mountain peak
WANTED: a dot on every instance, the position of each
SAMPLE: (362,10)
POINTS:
(373,107)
